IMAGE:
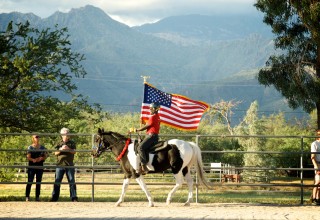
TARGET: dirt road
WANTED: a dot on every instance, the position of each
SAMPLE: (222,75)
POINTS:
(139,210)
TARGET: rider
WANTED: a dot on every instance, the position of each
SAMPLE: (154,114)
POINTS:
(153,128)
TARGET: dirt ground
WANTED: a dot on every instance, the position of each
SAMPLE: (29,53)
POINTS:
(139,210)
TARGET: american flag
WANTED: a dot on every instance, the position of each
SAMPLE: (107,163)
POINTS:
(176,111)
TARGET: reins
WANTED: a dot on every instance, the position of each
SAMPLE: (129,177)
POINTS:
(124,149)
(128,141)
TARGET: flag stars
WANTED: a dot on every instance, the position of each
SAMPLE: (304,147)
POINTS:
(155,95)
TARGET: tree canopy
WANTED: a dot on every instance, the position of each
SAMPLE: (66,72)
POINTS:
(296,72)
(36,70)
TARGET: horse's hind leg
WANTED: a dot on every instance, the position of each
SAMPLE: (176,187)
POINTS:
(189,181)
(125,185)
(144,188)
(179,182)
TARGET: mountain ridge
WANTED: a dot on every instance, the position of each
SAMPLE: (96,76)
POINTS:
(117,55)
(209,28)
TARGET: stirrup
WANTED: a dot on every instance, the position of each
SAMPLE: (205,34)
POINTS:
(144,169)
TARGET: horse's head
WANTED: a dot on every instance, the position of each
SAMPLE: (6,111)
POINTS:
(101,143)
(105,141)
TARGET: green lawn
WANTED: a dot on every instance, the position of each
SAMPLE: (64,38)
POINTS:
(111,193)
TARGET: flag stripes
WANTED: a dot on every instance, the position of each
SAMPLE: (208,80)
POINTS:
(176,111)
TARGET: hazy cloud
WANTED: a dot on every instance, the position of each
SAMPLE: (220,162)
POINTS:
(132,12)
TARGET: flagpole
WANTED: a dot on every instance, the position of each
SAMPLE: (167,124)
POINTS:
(145,78)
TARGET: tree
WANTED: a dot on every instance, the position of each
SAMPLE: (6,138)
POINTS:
(252,125)
(36,67)
(296,72)
(223,111)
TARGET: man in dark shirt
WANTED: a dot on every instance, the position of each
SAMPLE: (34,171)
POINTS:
(65,156)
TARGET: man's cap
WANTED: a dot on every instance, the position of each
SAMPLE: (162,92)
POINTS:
(64,131)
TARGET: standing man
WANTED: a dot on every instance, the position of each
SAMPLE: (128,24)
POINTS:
(152,138)
(315,158)
(65,155)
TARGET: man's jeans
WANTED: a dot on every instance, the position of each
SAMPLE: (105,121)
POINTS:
(58,179)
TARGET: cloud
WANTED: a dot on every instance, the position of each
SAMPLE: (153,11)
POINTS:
(131,12)
(153,10)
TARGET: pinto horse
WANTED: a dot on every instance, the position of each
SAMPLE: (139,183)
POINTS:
(177,155)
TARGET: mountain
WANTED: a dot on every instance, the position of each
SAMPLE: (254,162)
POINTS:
(203,28)
(193,55)
(17,17)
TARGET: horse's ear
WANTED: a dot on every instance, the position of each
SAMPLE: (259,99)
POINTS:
(100,131)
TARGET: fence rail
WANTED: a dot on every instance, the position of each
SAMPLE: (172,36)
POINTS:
(113,168)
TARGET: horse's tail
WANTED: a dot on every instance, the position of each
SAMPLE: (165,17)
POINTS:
(197,159)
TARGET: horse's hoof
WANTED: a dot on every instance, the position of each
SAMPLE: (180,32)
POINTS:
(151,205)
(168,202)
(117,204)
(187,204)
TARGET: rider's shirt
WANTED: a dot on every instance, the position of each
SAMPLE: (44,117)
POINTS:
(154,121)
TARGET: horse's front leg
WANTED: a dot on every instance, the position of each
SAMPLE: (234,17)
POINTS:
(125,185)
(144,188)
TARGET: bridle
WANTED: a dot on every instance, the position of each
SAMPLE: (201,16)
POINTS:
(102,146)
(111,144)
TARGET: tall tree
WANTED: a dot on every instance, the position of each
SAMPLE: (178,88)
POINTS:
(252,125)
(36,67)
(296,72)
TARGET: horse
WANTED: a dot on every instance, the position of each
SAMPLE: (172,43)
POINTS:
(177,155)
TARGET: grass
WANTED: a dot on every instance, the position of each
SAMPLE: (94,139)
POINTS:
(111,193)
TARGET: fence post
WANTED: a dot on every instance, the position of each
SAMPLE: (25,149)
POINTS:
(92,171)
(301,173)
(197,143)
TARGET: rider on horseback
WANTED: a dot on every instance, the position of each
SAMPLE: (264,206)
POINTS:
(153,128)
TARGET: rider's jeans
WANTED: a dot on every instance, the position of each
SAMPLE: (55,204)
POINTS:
(145,145)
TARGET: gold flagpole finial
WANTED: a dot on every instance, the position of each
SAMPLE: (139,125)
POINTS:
(145,78)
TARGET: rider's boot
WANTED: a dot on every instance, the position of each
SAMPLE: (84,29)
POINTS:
(144,169)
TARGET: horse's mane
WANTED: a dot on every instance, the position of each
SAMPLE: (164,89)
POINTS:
(114,134)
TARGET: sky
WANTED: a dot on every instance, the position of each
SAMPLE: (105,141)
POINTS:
(132,12)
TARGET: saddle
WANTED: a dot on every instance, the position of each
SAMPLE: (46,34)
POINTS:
(160,146)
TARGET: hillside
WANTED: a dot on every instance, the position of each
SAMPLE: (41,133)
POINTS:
(192,55)
(196,29)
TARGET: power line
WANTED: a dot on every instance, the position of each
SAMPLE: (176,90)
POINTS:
(235,110)
(205,83)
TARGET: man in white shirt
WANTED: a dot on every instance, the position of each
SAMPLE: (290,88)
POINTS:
(315,158)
